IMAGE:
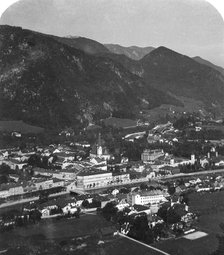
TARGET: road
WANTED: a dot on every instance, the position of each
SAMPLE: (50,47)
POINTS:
(193,174)
(26,200)
(67,192)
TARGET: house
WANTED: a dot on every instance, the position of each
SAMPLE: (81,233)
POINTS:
(105,200)
(201,188)
(15,189)
(218,161)
(16,134)
(45,212)
(14,164)
(154,219)
(82,144)
(4,193)
(45,208)
(204,161)
(79,199)
(141,208)
(67,206)
(69,209)
(43,184)
(179,189)
(14,177)
(30,207)
(115,192)
(150,155)
(65,174)
(99,163)
(122,204)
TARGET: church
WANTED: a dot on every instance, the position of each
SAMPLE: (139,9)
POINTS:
(99,150)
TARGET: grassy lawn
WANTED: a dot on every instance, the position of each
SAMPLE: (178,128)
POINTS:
(123,246)
(47,238)
(210,207)
(53,229)
(49,234)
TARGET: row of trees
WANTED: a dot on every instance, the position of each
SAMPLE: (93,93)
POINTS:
(137,227)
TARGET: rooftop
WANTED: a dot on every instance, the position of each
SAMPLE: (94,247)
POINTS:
(93,173)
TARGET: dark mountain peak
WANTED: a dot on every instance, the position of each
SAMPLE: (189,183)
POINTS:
(183,76)
(163,52)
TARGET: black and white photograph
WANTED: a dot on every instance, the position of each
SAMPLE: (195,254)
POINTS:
(111,127)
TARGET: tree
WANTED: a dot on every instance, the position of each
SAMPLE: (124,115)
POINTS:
(220,249)
(35,216)
(158,230)
(85,203)
(140,230)
(143,186)
(172,216)
(162,212)
(109,211)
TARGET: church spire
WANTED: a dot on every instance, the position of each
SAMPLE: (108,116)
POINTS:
(99,143)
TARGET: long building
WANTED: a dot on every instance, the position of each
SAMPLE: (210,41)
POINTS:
(147,197)
(86,180)
(150,155)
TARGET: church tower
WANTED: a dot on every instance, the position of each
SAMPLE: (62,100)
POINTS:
(99,146)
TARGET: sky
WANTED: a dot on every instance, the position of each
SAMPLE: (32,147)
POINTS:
(191,27)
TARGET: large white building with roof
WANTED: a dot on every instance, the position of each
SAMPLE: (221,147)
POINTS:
(100,179)
(147,197)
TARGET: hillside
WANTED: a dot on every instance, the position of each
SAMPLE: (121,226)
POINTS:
(48,83)
(207,63)
(81,43)
(180,75)
(133,52)
(19,126)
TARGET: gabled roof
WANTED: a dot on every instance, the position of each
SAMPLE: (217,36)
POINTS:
(140,208)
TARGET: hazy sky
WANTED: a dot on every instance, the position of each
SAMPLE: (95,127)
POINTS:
(191,27)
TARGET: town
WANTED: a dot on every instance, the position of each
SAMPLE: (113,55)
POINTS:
(129,173)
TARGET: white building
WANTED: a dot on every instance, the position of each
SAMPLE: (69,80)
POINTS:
(150,155)
(99,150)
(100,179)
(147,197)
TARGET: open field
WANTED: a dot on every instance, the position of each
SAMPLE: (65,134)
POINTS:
(210,207)
(195,235)
(60,237)
(19,126)
(53,230)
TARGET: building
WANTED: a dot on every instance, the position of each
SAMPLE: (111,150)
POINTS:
(14,164)
(99,150)
(150,155)
(48,184)
(100,179)
(147,197)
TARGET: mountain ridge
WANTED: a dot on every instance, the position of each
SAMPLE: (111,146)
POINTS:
(133,52)
(47,82)
(210,64)
(171,71)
